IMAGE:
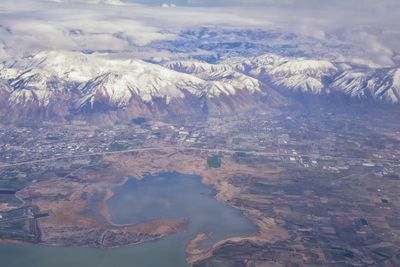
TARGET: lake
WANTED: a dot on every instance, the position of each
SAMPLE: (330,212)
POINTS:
(167,195)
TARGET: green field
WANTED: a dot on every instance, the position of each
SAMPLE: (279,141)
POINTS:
(214,161)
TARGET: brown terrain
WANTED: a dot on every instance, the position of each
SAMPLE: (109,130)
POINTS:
(195,163)
(78,215)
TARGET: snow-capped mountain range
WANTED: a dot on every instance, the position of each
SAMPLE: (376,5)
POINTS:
(62,85)
(323,77)
(54,84)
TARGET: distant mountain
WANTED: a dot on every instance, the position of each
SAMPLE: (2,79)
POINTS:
(229,90)
(317,76)
(56,85)
(380,84)
(295,74)
(211,44)
(5,91)
(62,85)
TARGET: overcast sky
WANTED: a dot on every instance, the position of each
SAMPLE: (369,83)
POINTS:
(30,25)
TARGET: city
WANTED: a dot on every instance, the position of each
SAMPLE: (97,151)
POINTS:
(316,175)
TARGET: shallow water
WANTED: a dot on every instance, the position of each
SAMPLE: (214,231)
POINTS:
(172,196)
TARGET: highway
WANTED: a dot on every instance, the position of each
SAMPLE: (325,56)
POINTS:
(184,148)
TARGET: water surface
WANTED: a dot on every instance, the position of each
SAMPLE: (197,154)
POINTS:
(172,196)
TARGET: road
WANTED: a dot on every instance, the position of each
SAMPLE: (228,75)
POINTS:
(6,165)
(183,148)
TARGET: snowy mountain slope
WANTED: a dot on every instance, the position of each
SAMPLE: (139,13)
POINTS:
(4,87)
(314,68)
(381,84)
(57,84)
(5,91)
(222,79)
(197,67)
(98,83)
(47,73)
(321,76)
(295,74)
(118,87)
(229,88)
(351,82)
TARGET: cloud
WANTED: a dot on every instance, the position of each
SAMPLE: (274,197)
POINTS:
(382,54)
(29,25)
(166,5)
(58,25)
